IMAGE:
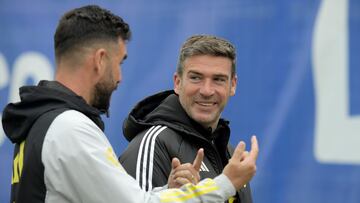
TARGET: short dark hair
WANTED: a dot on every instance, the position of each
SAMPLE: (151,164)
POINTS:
(206,45)
(86,25)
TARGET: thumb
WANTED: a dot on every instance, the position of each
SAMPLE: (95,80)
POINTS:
(175,163)
(198,159)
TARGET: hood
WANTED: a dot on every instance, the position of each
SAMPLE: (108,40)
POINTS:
(162,108)
(155,110)
(19,117)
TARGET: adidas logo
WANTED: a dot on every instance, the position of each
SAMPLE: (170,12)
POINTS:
(204,167)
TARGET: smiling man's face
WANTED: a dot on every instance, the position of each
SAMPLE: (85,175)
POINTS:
(205,87)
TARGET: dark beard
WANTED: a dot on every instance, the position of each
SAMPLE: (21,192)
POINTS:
(102,96)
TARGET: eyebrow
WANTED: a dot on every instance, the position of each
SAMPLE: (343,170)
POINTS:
(221,75)
(215,75)
(194,72)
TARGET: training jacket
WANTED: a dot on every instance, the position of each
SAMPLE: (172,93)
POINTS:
(159,129)
(62,155)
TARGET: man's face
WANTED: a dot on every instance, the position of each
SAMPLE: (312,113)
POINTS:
(205,87)
(111,78)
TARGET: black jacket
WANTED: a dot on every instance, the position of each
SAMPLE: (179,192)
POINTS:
(26,123)
(159,129)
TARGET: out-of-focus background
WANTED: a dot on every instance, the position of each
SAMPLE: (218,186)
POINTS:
(298,64)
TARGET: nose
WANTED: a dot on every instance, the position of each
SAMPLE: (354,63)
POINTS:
(207,88)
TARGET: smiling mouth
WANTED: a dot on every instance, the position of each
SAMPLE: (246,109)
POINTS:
(206,104)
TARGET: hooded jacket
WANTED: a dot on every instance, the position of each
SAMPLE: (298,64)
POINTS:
(50,99)
(62,155)
(159,129)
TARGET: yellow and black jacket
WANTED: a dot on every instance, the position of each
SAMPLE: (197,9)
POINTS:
(26,124)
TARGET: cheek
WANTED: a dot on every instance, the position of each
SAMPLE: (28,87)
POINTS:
(116,73)
(225,96)
(224,93)
(191,89)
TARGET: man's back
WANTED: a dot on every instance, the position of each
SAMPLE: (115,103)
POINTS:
(39,107)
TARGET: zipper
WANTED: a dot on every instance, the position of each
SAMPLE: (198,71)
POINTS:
(218,166)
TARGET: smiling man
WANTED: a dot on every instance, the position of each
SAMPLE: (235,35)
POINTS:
(178,123)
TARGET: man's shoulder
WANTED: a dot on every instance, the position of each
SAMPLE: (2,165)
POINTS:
(70,121)
(71,130)
(72,117)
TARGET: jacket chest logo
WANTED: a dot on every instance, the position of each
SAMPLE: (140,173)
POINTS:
(204,167)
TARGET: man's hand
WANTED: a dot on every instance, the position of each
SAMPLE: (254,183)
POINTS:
(242,165)
(185,173)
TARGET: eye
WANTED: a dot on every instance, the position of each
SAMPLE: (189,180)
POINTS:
(194,77)
(123,60)
(220,79)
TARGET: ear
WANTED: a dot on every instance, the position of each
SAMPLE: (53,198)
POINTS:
(100,61)
(177,83)
(233,85)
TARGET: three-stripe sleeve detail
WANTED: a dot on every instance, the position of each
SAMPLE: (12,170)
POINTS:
(144,164)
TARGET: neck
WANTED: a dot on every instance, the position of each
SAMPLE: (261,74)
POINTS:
(76,81)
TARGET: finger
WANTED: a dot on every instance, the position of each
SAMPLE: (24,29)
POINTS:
(254,147)
(182,181)
(187,166)
(238,151)
(175,163)
(187,174)
(244,155)
(198,159)
(187,171)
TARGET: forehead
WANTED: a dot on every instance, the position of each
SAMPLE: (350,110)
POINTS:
(121,47)
(208,64)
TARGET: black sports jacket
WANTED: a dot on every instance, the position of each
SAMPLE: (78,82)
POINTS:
(159,129)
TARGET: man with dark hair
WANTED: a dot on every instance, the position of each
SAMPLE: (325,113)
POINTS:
(61,151)
(177,123)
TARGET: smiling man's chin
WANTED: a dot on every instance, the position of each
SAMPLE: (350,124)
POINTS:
(205,116)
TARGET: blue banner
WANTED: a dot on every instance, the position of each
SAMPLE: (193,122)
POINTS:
(298,90)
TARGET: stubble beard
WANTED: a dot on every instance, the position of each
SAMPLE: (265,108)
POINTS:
(102,95)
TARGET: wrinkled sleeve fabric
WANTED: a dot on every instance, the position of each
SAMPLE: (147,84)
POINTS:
(80,166)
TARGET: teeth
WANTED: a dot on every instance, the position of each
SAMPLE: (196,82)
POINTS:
(206,104)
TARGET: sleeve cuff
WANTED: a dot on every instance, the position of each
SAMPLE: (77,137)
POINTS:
(225,185)
(158,189)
